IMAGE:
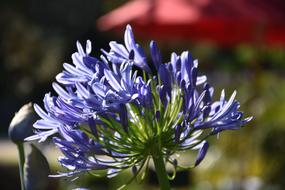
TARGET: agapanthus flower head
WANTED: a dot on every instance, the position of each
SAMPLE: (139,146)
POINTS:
(108,117)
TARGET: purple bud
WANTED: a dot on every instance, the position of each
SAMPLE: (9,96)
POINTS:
(155,54)
(134,169)
(175,162)
(178,133)
(202,153)
(124,116)
(157,115)
(92,126)
(194,76)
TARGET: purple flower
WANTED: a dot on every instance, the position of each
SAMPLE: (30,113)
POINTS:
(79,150)
(109,117)
(85,67)
(130,51)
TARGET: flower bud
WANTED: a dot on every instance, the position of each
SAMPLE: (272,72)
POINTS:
(134,169)
(21,124)
(202,152)
(175,163)
(36,170)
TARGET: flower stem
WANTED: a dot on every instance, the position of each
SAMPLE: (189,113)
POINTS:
(161,172)
(21,163)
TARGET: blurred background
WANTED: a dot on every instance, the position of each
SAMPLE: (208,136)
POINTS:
(240,45)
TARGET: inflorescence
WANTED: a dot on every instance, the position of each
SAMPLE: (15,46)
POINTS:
(118,111)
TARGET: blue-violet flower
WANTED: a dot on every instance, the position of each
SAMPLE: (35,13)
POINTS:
(118,111)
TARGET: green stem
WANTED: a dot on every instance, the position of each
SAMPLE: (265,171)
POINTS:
(21,163)
(161,172)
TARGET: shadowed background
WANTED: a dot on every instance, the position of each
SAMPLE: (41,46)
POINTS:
(37,36)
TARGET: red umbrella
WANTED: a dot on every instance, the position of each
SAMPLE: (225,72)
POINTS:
(221,21)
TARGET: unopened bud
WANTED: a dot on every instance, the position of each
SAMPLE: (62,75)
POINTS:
(134,170)
(22,123)
(175,163)
(36,170)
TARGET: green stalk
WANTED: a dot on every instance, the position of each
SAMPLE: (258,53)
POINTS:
(161,172)
(21,163)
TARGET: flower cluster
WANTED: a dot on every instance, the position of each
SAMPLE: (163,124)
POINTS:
(120,110)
